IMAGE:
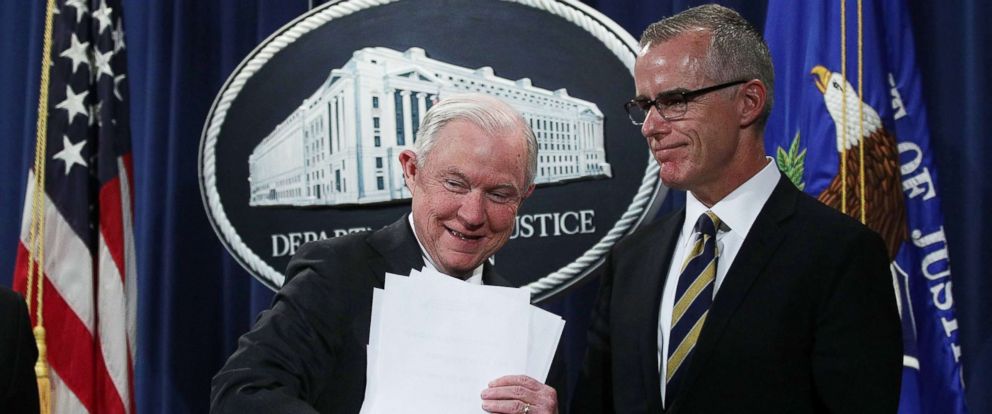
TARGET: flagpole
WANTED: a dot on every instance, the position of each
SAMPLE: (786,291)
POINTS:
(861,117)
(843,105)
(36,274)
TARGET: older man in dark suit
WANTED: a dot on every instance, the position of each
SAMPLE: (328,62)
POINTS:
(473,165)
(754,297)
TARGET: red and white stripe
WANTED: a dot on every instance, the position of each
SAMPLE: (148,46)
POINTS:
(89,303)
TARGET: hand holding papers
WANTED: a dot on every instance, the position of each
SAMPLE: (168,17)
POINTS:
(436,342)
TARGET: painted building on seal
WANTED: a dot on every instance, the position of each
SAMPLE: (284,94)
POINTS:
(341,145)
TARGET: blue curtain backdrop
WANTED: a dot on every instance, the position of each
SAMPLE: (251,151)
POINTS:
(194,298)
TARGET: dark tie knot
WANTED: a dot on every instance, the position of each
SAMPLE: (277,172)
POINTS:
(707,224)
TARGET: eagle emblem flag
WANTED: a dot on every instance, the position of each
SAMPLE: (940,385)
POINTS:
(850,128)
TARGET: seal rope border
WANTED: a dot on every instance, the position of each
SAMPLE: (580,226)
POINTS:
(617,40)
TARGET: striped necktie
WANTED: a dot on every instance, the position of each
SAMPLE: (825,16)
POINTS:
(693,297)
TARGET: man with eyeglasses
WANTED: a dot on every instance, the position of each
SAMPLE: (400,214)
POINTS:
(754,297)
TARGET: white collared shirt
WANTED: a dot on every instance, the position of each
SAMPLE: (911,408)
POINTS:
(475,279)
(737,211)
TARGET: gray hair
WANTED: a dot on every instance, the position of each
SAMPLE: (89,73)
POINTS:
(737,50)
(490,114)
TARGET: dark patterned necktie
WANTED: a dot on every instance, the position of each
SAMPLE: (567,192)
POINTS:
(693,297)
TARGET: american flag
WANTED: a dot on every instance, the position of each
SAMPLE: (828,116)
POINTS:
(89,293)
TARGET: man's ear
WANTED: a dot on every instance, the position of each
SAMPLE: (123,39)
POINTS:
(408,162)
(752,103)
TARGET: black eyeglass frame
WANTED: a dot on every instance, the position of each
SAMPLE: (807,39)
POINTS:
(685,97)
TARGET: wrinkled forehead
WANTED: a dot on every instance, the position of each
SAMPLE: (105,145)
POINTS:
(677,63)
(481,134)
(468,149)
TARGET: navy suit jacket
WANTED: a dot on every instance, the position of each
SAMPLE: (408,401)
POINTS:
(805,321)
(308,352)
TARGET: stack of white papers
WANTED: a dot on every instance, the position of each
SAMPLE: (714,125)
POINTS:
(435,342)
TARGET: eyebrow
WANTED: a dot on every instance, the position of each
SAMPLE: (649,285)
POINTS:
(669,92)
(457,174)
(454,171)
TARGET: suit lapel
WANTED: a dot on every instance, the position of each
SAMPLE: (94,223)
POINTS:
(647,278)
(759,246)
(491,278)
(397,248)
(399,252)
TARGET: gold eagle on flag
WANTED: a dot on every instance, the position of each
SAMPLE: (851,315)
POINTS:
(883,203)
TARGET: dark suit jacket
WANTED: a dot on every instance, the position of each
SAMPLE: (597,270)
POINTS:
(308,352)
(805,321)
(18,353)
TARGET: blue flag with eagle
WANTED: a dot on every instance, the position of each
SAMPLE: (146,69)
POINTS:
(849,128)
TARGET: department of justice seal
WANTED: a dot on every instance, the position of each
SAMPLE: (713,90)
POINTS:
(302,141)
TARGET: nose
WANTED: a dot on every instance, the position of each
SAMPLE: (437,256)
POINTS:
(472,211)
(655,124)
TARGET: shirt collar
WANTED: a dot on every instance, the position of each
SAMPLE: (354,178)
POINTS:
(740,208)
(475,278)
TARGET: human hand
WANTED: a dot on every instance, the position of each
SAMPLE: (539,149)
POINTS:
(519,394)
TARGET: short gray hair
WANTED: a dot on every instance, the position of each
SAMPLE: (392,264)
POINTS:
(737,50)
(486,112)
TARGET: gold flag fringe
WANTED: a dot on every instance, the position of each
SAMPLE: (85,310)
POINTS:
(41,371)
(36,248)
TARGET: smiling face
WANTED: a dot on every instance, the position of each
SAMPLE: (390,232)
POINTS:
(698,151)
(466,195)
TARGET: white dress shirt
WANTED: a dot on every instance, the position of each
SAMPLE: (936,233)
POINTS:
(475,279)
(737,211)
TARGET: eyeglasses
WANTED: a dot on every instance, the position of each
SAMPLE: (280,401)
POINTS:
(670,105)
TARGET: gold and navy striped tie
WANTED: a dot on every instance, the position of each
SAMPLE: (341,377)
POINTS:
(693,297)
